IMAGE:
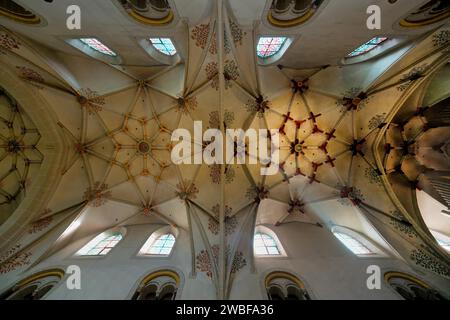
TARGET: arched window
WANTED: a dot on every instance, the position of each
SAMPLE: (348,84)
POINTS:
(162,246)
(265,245)
(160,243)
(411,288)
(161,285)
(35,287)
(164,45)
(270,46)
(367,47)
(102,244)
(353,244)
(291,13)
(98,46)
(285,286)
(17,12)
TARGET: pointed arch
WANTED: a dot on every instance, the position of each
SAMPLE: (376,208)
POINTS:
(161,243)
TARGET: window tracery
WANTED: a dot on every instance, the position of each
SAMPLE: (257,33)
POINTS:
(285,286)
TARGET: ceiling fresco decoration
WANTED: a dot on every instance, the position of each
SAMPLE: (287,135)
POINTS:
(117,129)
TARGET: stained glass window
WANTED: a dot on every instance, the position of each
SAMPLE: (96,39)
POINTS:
(164,45)
(265,245)
(98,46)
(352,244)
(269,46)
(162,246)
(368,46)
(101,245)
